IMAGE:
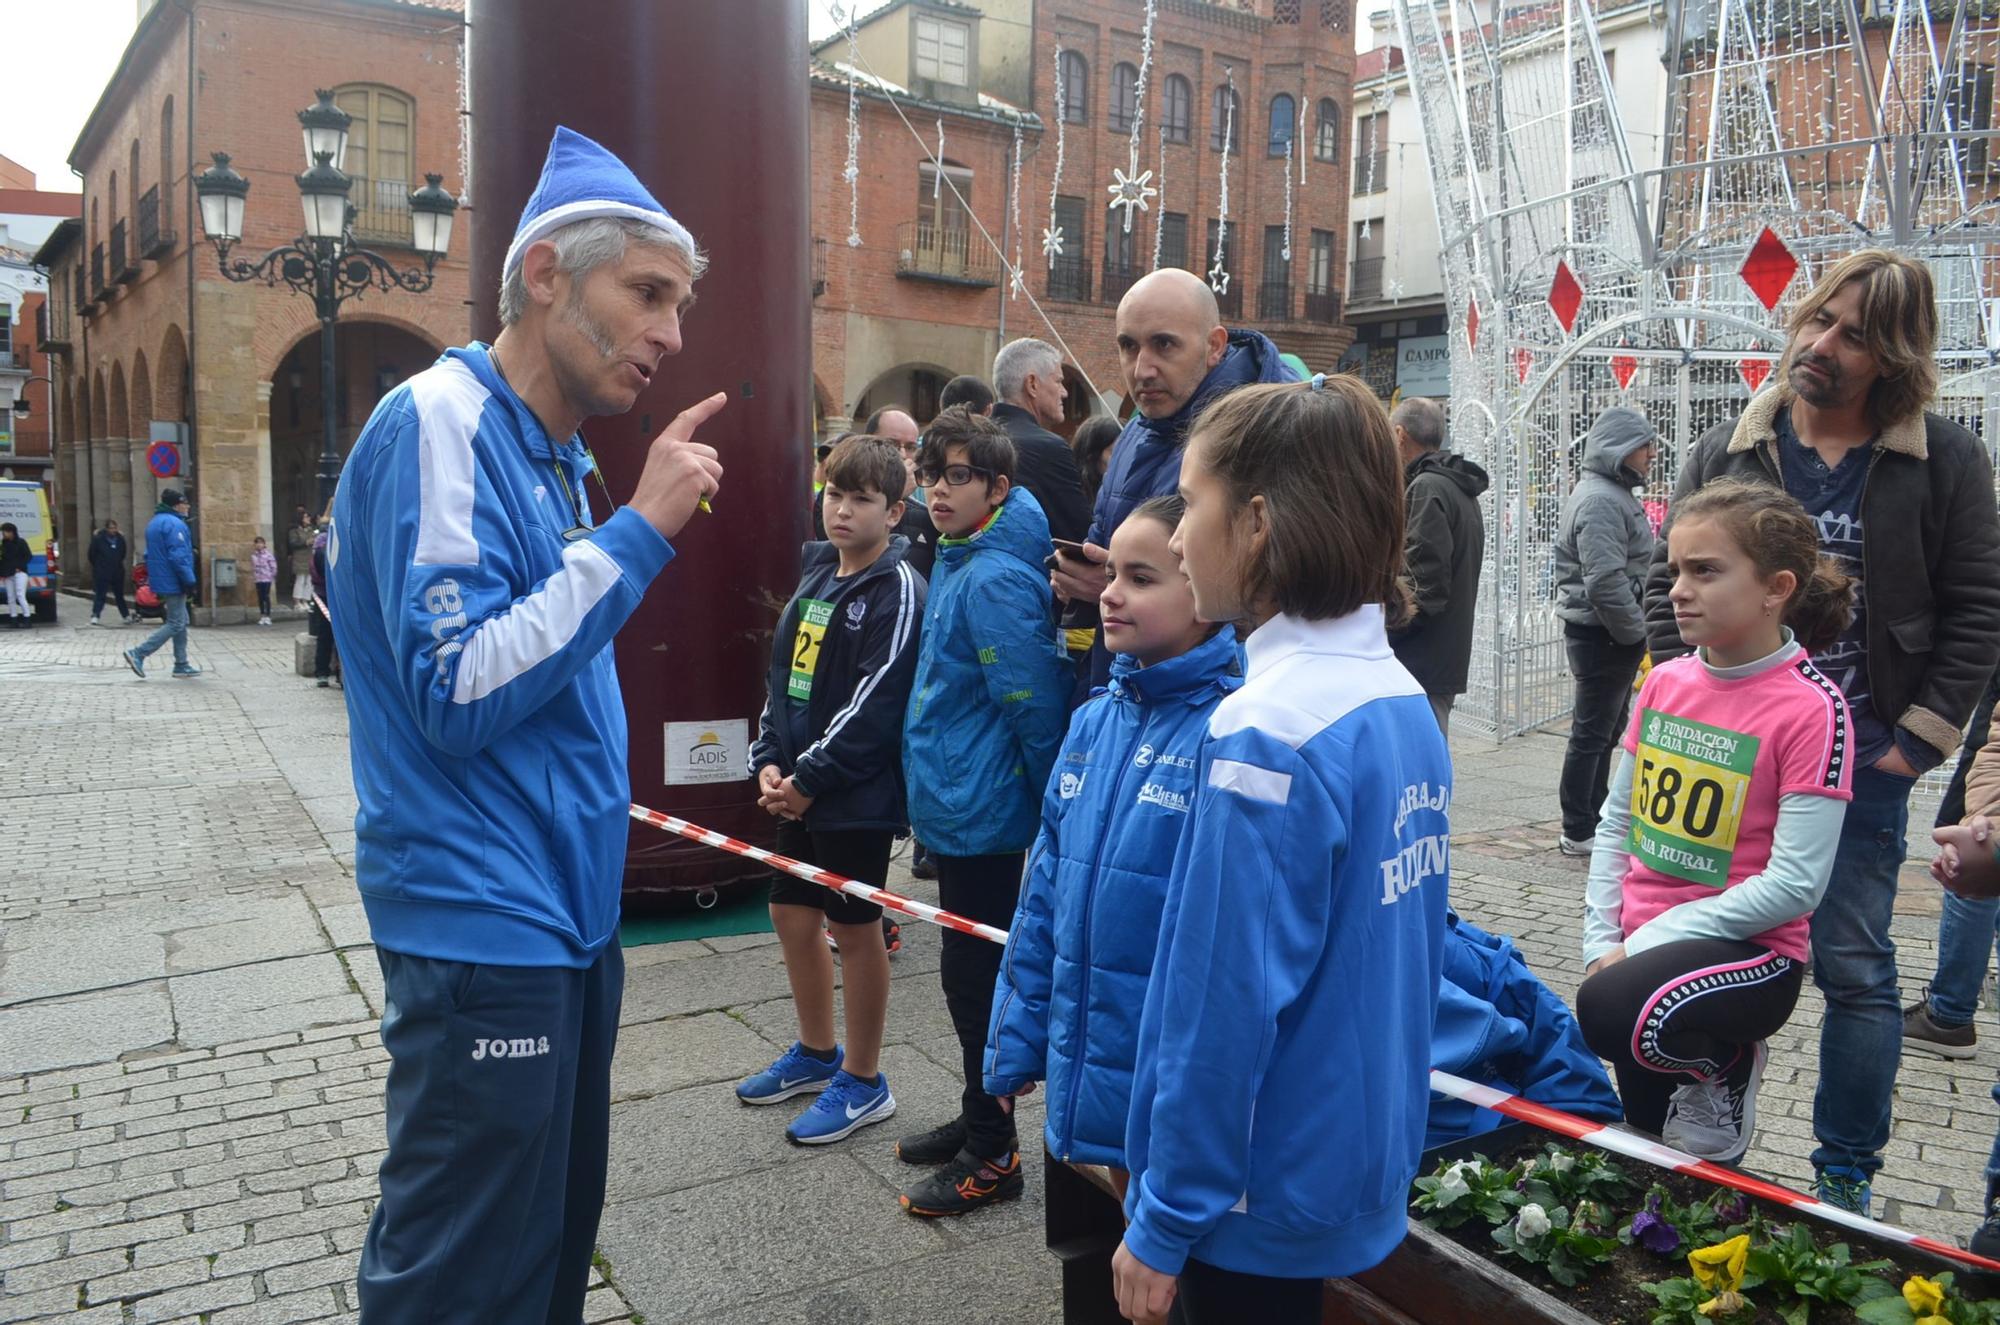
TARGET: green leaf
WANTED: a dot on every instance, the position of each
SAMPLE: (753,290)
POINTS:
(1885,1311)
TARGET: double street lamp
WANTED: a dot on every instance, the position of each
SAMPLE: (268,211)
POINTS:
(324,263)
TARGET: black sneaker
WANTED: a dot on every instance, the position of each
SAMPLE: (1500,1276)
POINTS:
(1986,1238)
(934,1147)
(966,1183)
(923,867)
(1922,1031)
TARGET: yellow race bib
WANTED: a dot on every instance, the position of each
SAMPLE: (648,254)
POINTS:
(1690,782)
(814,613)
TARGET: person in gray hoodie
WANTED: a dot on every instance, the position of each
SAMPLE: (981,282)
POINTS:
(1602,554)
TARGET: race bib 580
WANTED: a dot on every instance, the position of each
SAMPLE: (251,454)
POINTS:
(1689,786)
(814,613)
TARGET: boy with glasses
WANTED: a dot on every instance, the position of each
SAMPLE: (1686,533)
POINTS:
(987,714)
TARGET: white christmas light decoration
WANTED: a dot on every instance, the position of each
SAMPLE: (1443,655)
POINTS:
(1016,286)
(1218,276)
(937,180)
(1286,253)
(852,172)
(1131,187)
(1052,235)
(1158,231)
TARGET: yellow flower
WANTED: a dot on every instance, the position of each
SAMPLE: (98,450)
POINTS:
(1727,1303)
(1931,1320)
(1925,1297)
(1719,1269)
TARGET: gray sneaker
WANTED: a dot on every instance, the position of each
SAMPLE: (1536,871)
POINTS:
(1713,1120)
(189,670)
(1922,1031)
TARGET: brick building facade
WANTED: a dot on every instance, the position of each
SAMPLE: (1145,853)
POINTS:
(28,217)
(924,296)
(157,343)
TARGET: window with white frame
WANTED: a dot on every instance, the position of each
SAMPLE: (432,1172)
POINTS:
(943,48)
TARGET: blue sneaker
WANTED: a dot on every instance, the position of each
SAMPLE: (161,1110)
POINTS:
(1843,1187)
(136,663)
(795,1073)
(843,1108)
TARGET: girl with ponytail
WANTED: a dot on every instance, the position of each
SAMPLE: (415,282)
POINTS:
(1719,830)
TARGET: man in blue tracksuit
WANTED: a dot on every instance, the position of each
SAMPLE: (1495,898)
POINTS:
(170,574)
(1176,357)
(475,602)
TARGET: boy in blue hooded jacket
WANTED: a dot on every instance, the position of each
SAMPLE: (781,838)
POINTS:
(986,714)
(1081,945)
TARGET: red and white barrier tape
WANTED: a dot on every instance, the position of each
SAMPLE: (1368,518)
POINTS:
(1679,1161)
(1444,1083)
(798,869)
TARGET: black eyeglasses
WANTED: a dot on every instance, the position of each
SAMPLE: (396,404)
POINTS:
(952,476)
(579,507)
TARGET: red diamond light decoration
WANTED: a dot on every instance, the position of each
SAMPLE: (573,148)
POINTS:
(1472,325)
(1623,366)
(1769,268)
(1524,363)
(1753,372)
(1565,297)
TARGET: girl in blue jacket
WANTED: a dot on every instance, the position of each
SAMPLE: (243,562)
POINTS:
(1074,974)
(1281,1085)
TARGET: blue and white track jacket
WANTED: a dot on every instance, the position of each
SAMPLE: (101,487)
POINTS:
(485,723)
(1283,1071)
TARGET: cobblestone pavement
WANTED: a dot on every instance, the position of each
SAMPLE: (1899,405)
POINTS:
(191,1117)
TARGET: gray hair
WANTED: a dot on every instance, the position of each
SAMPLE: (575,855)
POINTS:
(1018,360)
(1423,420)
(584,246)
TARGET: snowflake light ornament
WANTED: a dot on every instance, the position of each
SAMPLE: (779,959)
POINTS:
(1131,191)
(1052,242)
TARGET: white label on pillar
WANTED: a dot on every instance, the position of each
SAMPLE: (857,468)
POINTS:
(713,751)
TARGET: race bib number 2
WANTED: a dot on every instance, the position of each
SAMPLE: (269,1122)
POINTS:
(814,613)
(1689,787)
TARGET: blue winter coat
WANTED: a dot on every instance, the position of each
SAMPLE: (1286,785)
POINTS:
(1498,1025)
(169,553)
(991,694)
(1066,1005)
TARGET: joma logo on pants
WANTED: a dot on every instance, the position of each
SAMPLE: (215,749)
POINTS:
(526,1047)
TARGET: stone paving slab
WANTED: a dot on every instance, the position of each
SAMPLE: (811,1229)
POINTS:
(189,1007)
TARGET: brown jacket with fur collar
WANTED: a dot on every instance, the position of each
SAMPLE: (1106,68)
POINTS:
(1930,552)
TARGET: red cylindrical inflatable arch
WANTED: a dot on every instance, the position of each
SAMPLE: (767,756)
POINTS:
(707,103)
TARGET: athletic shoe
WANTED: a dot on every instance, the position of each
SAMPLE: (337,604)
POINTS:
(1986,1238)
(936,1146)
(95,622)
(324,683)
(965,1184)
(136,663)
(1923,1031)
(1570,846)
(189,670)
(795,1073)
(1844,1189)
(923,867)
(263,621)
(847,1105)
(1713,1120)
(892,937)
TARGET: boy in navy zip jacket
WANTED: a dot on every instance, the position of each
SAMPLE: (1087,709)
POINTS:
(828,757)
(986,715)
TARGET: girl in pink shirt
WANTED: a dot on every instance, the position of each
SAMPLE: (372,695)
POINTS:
(1719,829)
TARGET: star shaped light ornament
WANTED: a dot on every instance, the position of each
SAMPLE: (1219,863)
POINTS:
(1218,279)
(1130,192)
(1052,242)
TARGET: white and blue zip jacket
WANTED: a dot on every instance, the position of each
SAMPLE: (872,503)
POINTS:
(1282,1083)
(485,723)
(1073,979)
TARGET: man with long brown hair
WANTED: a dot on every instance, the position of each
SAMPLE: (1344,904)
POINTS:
(1905,497)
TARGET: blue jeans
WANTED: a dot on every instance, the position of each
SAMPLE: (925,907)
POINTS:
(174,628)
(1966,936)
(1854,965)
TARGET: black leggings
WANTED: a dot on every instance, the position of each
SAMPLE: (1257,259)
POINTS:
(986,889)
(1210,1295)
(1684,1012)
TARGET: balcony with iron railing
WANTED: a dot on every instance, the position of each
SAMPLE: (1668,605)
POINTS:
(951,255)
(1069,278)
(11,359)
(1371,173)
(1116,280)
(124,267)
(1229,303)
(97,274)
(819,265)
(81,296)
(1323,306)
(154,239)
(1367,280)
(381,211)
(51,331)
(1274,301)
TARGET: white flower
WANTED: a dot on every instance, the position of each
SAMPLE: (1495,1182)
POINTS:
(1561,1162)
(1530,1167)
(1451,1186)
(1531,1223)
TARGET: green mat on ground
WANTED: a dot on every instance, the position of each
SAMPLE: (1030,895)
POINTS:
(747,915)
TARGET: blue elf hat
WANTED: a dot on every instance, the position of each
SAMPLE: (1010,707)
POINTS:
(581,180)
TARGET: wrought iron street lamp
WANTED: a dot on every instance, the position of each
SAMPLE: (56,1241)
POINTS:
(324,263)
